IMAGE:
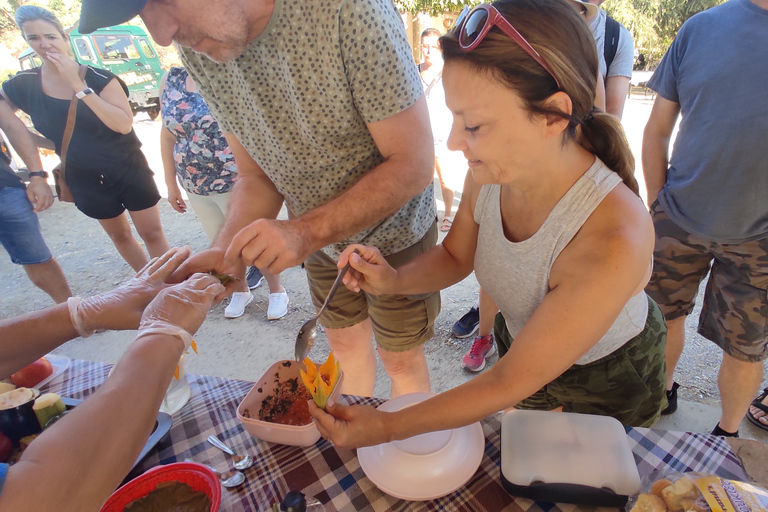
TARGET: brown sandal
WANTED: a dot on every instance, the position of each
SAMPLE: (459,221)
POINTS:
(446,225)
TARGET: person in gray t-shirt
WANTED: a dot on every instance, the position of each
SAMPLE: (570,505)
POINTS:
(709,200)
(619,73)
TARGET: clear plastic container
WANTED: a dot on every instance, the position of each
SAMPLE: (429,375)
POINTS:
(178,392)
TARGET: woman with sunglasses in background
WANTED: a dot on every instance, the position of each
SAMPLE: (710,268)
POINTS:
(552,225)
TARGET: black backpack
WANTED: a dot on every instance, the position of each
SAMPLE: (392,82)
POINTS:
(612,31)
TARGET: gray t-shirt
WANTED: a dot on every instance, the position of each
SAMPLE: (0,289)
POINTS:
(716,69)
(299,98)
(625,52)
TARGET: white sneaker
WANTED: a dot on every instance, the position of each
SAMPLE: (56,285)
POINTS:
(278,305)
(237,304)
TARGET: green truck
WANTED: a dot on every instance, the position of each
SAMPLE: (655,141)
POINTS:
(126,51)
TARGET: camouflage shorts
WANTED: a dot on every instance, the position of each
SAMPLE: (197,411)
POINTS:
(628,384)
(735,306)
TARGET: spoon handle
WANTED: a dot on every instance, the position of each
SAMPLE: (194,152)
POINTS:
(336,284)
(206,465)
(215,441)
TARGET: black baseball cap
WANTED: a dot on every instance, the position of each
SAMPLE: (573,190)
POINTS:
(105,13)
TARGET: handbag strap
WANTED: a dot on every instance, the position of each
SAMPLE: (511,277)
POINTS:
(70,127)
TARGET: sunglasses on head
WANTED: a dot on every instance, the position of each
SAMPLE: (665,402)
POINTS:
(473,25)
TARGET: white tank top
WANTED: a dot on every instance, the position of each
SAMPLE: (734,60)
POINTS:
(516,274)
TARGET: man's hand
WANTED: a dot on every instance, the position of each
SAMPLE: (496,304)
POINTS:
(271,244)
(122,307)
(39,194)
(210,260)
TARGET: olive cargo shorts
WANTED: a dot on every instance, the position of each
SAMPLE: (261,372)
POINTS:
(400,322)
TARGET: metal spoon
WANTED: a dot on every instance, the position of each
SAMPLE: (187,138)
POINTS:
(229,479)
(241,462)
(306,337)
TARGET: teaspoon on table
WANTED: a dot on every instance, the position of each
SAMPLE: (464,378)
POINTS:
(241,462)
(229,479)
(306,337)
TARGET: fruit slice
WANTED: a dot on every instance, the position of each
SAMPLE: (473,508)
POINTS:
(15,398)
(6,386)
(321,382)
(31,375)
(48,406)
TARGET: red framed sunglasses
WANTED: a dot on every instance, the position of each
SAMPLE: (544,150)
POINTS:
(474,25)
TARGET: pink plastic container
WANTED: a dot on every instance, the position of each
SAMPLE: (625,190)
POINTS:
(304,435)
(196,476)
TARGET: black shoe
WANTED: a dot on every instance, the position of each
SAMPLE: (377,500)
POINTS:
(671,400)
(468,324)
(717,431)
(254,278)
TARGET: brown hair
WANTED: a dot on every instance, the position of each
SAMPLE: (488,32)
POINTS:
(562,38)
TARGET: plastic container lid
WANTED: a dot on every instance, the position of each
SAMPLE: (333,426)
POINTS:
(568,457)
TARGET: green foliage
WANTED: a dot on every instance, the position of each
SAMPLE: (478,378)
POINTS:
(654,23)
(432,7)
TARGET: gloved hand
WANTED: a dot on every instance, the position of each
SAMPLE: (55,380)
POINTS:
(122,307)
(180,309)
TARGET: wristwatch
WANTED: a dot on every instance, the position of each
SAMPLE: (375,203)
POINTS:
(39,174)
(82,94)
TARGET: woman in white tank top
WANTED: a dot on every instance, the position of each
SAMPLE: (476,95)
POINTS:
(552,225)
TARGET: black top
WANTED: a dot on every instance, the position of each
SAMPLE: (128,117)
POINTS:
(94,149)
(8,178)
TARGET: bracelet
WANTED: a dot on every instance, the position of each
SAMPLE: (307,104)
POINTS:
(169,329)
(76,316)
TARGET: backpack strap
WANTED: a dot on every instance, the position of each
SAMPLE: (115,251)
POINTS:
(612,31)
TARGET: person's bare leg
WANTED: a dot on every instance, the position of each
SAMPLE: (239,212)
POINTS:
(408,370)
(150,230)
(49,277)
(738,382)
(353,348)
(119,230)
(273,280)
(674,347)
(487,310)
(446,191)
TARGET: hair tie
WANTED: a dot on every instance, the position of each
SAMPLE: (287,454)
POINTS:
(589,115)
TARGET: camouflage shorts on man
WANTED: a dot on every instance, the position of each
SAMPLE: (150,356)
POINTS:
(735,307)
(629,384)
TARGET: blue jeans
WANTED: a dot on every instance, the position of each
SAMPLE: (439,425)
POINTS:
(20,229)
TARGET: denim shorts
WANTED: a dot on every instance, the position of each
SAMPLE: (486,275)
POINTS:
(20,229)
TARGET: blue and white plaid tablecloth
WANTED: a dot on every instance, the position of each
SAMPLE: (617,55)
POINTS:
(335,477)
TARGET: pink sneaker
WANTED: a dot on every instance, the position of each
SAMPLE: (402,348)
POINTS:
(482,348)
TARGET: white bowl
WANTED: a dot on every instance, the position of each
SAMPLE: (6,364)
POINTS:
(292,435)
(426,466)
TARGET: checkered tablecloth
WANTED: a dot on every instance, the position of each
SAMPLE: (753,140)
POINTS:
(335,477)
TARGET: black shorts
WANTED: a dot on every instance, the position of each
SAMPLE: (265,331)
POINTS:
(102,197)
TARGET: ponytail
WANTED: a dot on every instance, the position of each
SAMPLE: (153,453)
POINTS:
(601,134)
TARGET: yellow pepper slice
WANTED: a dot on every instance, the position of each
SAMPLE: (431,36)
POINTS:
(321,382)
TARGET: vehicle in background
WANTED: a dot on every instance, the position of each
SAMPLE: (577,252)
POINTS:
(126,51)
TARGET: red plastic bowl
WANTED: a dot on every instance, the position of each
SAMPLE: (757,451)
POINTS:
(194,475)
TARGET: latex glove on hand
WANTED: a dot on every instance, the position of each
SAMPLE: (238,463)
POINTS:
(123,307)
(180,309)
